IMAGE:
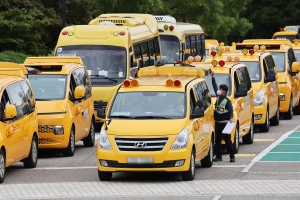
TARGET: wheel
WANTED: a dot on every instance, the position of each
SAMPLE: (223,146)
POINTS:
(266,126)
(236,140)
(289,113)
(190,174)
(31,160)
(69,151)
(248,138)
(208,160)
(104,176)
(275,120)
(89,141)
(2,166)
(296,110)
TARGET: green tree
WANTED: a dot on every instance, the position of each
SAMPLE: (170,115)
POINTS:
(268,16)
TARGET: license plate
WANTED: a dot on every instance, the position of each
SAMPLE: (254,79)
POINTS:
(139,160)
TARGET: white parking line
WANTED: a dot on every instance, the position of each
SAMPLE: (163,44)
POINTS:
(268,149)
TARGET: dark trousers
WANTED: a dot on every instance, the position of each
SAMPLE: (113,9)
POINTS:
(218,146)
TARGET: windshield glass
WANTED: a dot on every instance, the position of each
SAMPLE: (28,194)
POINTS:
(284,37)
(149,105)
(108,61)
(220,79)
(254,70)
(297,54)
(48,87)
(170,47)
(279,60)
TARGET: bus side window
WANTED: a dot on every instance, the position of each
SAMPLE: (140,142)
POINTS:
(198,43)
(137,54)
(157,47)
(145,53)
(193,45)
(202,52)
(151,51)
(187,47)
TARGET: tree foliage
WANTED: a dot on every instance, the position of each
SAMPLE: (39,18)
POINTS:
(11,56)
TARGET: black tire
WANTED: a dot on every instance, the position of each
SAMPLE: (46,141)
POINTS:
(31,160)
(266,126)
(289,113)
(248,138)
(190,174)
(89,141)
(2,166)
(296,110)
(104,176)
(207,161)
(70,150)
(275,120)
(236,143)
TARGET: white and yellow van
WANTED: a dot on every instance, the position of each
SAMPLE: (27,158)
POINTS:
(62,89)
(18,119)
(160,121)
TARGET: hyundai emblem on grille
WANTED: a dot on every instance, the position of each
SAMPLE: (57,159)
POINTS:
(140,144)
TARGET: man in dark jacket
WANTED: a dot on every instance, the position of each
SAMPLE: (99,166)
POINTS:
(223,114)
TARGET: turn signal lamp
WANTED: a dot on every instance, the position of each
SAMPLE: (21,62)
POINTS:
(71,33)
(191,58)
(251,51)
(133,83)
(296,41)
(256,47)
(214,63)
(229,58)
(64,33)
(221,63)
(221,43)
(179,62)
(126,83)
(171,28)
(227,48)
(213,53)
(233,43)
(122,33)
(245,51)
(166,27)
(262,47)
(197,58)
(236,59)
(175,83)
(281,29)
(219,52)
(186,62)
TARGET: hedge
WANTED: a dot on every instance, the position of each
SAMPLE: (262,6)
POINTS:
(11,56)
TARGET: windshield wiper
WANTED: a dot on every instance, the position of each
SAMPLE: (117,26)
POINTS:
(121,116)
(105,77)
(152,117)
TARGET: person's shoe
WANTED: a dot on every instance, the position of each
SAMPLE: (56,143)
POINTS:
(232,159)
(217,159)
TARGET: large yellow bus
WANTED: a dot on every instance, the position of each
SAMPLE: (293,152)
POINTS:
(180,40)
(288,32)
(112,47)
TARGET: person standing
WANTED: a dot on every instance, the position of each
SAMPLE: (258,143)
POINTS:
(223,114)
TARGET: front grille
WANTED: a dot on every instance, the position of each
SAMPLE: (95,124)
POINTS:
(141,144)
(96,105)
(50,140)
(46,129)
(126,165)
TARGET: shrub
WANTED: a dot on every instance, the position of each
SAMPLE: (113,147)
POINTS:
(11,56)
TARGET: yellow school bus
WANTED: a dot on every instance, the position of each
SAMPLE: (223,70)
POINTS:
(180,40)
(211,44)
(288,32)
(113,47)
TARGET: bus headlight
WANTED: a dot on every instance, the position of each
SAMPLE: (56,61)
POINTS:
(103,141)
(281,96)
(259,98)
(181,140)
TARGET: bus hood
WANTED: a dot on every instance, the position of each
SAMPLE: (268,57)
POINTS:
(51,107)
(145,127)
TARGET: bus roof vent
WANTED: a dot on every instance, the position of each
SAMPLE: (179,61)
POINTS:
(165,18)
(292,28)
(107,23)
(124,21)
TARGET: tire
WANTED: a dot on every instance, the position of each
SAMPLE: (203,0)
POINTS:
(190,174)
(70,150)
(289,113)
(236,144)
(104,176)
(2,166)
(89,141)
(275,120)
(296,110)
(248,138)
(31,160)
(266,126)
(207,161)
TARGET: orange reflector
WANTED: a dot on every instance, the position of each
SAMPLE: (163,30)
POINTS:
(134,82)
(126,83)
(169,82)
(177,83)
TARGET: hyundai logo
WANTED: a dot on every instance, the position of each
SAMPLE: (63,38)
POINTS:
(140,144)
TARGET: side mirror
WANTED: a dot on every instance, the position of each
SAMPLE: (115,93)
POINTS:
(101,110)
(79,92)
(198,112)
(271,76)
(199,104)
(242,90)
(10,112)
(295,67)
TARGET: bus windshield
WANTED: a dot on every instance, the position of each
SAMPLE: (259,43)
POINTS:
(279,61)
(170,47)
(48,87)
(254,70)
(220,79)
(100,60)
